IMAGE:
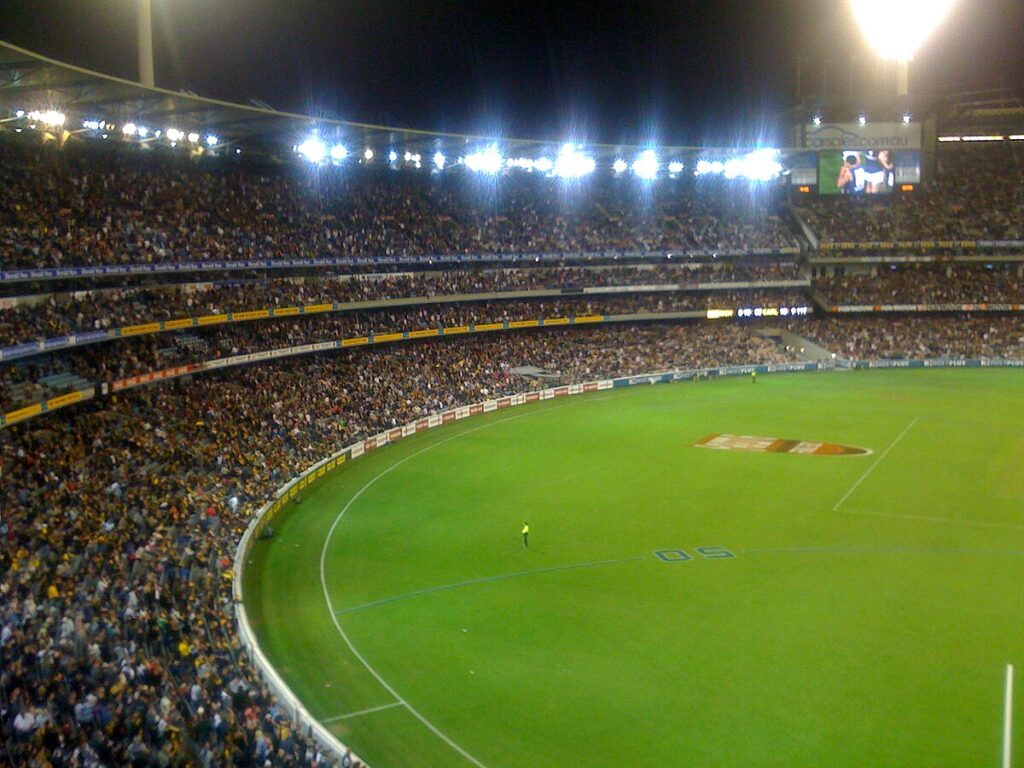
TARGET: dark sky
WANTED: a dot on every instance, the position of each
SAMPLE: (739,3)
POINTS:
(676,72)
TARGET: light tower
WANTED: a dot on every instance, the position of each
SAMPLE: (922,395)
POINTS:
(144,26)
(896,29)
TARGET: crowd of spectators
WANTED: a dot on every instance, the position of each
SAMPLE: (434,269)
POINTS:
(119,520)
(128,357)
(880,337)
(974,193)
(927,284)
(87,204)
(64,314)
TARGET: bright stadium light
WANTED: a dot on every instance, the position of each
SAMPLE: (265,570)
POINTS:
(312,149)
(129,129)
(143,131)
(439,160)
(906,119)
(49,117)
(862,120)
(646,164)
(485,161)
(392,156)
(174,134)
(895,29)
(339,152)
(92,125)
(619,166)
(816,119)
(212,141)
(193,138)
(572,164)
(675,167)
(368,154)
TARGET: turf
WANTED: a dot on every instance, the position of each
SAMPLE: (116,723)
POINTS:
(876,634)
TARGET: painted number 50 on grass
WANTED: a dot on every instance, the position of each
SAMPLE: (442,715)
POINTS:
(682,556)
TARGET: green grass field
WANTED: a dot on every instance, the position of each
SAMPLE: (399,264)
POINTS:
(872,634)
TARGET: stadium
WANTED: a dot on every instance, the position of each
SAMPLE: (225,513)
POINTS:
(330,443)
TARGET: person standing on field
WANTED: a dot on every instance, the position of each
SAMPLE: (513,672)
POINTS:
(526,535)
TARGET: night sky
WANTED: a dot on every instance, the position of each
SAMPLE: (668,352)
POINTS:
(674,72)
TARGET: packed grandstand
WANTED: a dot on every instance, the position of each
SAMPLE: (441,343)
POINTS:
(132,464)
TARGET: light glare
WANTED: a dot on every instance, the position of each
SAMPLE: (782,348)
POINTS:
(619,166)
(646,164)
(439,160)
(312,149)
(485,161)
(895,29)
(339,152)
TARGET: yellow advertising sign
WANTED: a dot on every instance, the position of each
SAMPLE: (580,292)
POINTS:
(137,330)
(254,314)
(212,319)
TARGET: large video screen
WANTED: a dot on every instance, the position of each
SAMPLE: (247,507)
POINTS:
(866,171)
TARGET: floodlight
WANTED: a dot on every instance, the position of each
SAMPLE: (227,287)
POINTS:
(619,166)
(571,163)
(129,129)
(542,164)
(50,117)
(646,164)
(485,161)
(193,138)
(906,119)
(20,113)
(816,119)
(705,167)
(174,134)
(368,154)
(339,152)
(895,29)
(439,160)
(91,125)
(760,165)
(312,149)
(392,156)
(675,167)
(862,120)
(212,141)
(143,131)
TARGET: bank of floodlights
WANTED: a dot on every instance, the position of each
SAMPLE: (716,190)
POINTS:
(313,150)
(439,161)
(645,166)
(487,161)
(572,164)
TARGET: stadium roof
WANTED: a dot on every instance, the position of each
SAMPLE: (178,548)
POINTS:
(32,82)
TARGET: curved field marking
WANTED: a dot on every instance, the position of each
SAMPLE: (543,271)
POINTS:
(484,580)
(330,606)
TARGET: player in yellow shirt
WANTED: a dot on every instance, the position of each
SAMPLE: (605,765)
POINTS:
(526,535)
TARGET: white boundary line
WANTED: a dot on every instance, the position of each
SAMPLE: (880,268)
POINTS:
(381,708)
(330,606)
(878,461)
(1008,716)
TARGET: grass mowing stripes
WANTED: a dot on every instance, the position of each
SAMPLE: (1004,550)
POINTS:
(866,636)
